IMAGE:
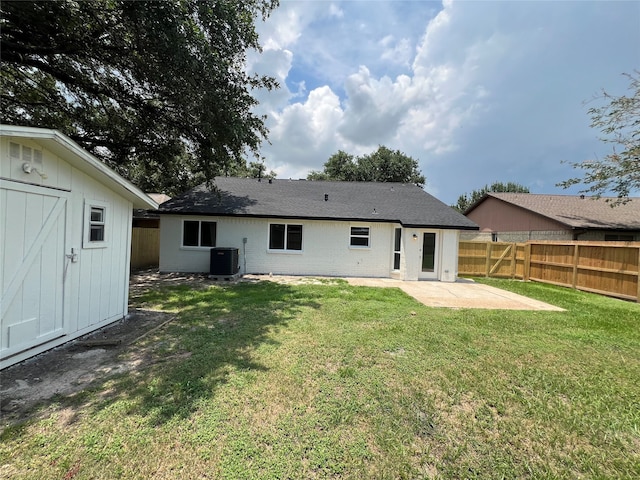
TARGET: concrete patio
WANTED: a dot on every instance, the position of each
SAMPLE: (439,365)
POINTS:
(461,294)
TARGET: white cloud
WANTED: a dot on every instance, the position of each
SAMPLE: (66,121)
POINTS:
(304,133)
(375,108)
(276,64)
(336,11)
(396,51)
(478,91)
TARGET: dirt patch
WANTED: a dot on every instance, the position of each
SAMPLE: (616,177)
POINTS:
(76,365)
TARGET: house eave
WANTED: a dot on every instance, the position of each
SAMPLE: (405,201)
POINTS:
(442,227)
(321,218)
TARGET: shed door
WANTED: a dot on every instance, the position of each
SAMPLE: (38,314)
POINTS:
(33,224)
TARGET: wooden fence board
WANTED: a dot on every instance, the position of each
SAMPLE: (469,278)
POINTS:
(609,268)
(145,247)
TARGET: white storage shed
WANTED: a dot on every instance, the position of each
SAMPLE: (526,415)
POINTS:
(65,230)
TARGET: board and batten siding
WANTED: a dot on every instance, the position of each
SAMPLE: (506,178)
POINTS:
(325,247)
(45,285)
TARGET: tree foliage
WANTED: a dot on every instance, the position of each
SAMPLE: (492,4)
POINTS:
(155,89)
(468,199)
(383,165)
(619,122)
(253,170)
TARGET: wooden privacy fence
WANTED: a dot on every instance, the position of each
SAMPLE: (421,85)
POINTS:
(608,268)
(145,247)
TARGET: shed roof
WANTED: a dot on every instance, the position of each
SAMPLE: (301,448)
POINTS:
(576,212)
(62,146)
(401,203)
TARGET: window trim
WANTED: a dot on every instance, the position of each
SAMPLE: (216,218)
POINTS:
(199,246)
(397,249)
(89,205)
(286,238)
(367,236)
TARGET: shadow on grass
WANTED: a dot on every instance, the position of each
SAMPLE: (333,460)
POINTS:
(213,338)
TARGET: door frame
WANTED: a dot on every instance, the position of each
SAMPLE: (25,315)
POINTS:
(435,274)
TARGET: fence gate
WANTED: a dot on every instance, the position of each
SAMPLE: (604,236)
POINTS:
(489,259)
(608,268)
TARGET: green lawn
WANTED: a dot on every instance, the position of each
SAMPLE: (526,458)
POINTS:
(333,381)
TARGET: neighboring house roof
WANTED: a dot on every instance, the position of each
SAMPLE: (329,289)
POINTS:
(65,148)
(159,198)
(576,212)
(406,204)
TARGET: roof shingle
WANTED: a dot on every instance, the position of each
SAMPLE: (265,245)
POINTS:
(367,201)
(575,211)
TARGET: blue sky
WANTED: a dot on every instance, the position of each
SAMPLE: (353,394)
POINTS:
(476,91)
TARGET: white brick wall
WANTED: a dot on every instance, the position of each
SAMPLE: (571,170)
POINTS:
(325,249)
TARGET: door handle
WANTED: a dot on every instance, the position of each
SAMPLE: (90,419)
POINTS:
(73,256)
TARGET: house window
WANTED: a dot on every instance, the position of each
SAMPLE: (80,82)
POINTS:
(198,233)
(359,237)
(396,248)
(611,237)
(285,237)
(95,224)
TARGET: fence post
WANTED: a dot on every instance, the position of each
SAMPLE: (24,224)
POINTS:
(576,258)
(527,262)
(514,247)
(638,278)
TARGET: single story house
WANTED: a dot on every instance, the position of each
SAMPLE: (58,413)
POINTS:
(301,227)
(518,217)
(65,225)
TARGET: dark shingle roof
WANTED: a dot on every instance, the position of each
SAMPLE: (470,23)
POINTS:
(302,199)
(575,211)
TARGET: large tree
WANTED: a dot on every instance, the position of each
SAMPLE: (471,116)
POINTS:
(619,122)
(253,170)
(468,199)
(383,165)
(155,89)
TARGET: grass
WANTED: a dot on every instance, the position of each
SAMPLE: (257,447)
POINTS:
(333,381)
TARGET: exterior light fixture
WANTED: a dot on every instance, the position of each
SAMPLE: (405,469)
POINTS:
(28,168)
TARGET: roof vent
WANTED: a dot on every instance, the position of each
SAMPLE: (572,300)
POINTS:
(270,180)
(582,196)
(326,197)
